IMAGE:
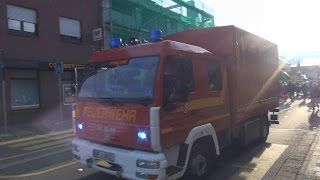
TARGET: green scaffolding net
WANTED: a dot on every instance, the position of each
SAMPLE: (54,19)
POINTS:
(135,18)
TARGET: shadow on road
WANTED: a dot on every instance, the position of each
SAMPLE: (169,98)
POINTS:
(232,162)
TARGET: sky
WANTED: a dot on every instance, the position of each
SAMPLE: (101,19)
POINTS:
(292,24)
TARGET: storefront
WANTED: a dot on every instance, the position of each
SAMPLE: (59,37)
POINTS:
(33,94)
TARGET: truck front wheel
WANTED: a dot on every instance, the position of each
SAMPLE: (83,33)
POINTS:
(199,161)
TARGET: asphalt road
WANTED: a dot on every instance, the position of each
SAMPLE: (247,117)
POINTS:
(49,156)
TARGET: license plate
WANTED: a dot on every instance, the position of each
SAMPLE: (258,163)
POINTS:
(103,155)
(104,164)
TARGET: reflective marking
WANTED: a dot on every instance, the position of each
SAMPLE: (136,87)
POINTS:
(34,137)
(260,165)
(207,120)
(47,144)
(41,141)
(200,122)
(40,172)
(167,130)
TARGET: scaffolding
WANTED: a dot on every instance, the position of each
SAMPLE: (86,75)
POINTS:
(135,18)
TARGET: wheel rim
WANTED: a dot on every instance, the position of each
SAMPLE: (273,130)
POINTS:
(199,165)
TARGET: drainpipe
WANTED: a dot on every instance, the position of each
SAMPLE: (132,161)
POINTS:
(3,82)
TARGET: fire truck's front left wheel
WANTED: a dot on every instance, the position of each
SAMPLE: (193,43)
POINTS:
(199,161)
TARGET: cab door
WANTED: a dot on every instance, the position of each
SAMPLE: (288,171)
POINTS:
(178,90)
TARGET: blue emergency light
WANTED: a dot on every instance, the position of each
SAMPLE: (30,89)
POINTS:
(115,42)
(142,135)
(80,126)
(155,35)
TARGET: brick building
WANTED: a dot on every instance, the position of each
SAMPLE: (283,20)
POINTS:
(33,36)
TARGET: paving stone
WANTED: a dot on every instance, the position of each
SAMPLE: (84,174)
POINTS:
(294,161)
(290,169)
(279,177)
(316,169)
(304,177)
(299,155)
(304,167)
(287,174)
(306,143)
(298,158)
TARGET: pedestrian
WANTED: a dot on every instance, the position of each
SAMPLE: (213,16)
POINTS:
(291,89)
(305,90)
(314,95)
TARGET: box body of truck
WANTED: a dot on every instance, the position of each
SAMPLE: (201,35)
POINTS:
(252,66)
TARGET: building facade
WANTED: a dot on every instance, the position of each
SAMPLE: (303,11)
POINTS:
(135,18)
(311,72)
(34,35)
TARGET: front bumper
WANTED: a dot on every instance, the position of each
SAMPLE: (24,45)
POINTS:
(124,160)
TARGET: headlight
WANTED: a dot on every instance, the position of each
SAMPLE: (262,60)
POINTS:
(148,164)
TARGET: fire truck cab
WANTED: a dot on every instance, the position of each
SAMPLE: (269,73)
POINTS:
(159,110)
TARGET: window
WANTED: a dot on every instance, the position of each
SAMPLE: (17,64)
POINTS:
(214,76)
(178,78)
(70,28)
(132,81)
(24,94)
(22,19)
(68,94)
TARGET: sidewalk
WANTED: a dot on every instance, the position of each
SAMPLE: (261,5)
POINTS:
(304,162)
(34,128)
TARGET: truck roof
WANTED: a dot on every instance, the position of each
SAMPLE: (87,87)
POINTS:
(146,49)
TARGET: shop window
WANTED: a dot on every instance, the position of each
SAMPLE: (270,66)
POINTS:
(70,29)
(68,94)
(24,94)
(214,76)
(21,19)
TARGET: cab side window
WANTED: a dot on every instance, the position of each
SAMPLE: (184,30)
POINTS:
(178,79)
(214,76)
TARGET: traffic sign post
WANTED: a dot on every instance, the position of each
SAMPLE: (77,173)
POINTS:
(59,71)
(59,67)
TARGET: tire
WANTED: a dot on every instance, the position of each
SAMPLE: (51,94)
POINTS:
(264,129)
(200,161)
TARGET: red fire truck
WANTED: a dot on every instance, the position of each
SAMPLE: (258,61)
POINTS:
(161,109)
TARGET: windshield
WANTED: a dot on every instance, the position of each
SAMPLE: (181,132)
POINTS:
(134,80)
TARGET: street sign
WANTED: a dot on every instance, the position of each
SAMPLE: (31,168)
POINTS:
(59,67)
(97,34)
